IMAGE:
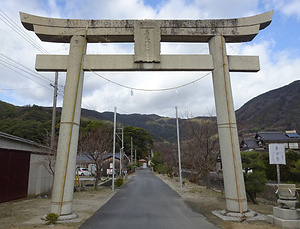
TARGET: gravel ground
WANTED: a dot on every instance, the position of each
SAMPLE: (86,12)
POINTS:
(27,213)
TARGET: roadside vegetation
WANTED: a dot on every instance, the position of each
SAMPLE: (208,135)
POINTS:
(200,156)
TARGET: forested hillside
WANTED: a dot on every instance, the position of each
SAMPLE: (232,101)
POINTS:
(29,122)
(278,109)
(34,122)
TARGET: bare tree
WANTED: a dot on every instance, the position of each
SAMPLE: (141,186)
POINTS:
(168,154)
(94,144)
(201,152)
(49,154)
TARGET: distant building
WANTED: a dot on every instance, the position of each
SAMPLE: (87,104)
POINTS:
(22,168)
(84,161)
(261,141)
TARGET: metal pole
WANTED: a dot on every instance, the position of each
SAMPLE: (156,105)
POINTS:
(131,151)
(122,150)
(54,112)
(120,172)
(278,174)
(178,143)
(114,150)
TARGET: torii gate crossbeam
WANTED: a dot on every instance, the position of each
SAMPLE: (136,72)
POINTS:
(147,35)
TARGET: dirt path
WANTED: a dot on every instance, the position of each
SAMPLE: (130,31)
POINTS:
(205,201)
(27,213)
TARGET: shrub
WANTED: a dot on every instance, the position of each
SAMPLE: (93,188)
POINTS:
(289,172)
(254,174)
(52,218)
(119,181)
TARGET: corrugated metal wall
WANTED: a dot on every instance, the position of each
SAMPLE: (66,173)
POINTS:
(14,173)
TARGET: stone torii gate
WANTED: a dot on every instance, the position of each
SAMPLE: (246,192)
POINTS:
(147,35)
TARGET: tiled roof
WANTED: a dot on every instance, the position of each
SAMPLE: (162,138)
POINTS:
(269,136)
(251,143)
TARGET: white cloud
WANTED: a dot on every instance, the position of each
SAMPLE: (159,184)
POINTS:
(289,8)
(278,68)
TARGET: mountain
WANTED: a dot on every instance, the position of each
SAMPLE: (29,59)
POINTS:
(160,128)
(34,122)
(276,110)
(29,122)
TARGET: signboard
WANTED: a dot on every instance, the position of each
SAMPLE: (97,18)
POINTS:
(111,165)
(109,171)
(277,154)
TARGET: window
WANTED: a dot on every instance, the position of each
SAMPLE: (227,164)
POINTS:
(293,145)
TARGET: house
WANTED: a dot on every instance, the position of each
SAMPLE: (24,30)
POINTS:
(84,161)
(261,140)
(23,170)
(143,163)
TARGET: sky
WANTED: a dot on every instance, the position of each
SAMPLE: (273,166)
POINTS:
(277,47)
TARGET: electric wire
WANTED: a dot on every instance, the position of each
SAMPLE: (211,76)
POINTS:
(32,71)
(19,66)
(5,64)
(21,72)
(15,89)
(11,64)
(14,26)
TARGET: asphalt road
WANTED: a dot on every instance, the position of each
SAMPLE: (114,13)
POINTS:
(146,202)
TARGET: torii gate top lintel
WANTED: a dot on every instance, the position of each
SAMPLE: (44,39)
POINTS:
(61,30)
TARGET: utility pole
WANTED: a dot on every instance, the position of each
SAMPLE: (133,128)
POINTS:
(122,147)
(54,112)
(122,151)
(131,150)
(114,150)
(178,145)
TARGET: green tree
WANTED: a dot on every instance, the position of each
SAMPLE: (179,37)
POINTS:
(142,141)
(159,165)
(254,174)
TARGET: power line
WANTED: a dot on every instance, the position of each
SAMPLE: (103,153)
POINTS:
(16,89)
(21,71)
(20,30)
(5,64)
(23,68)
(9,61)
(14,26)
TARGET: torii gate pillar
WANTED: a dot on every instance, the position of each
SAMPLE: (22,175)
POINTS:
(227,128)
(147,35)
(63,186)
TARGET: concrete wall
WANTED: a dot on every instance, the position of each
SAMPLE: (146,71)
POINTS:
(40,180)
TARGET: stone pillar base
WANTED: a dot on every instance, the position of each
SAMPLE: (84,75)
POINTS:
(64,217)
(285,218)
(240,217)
